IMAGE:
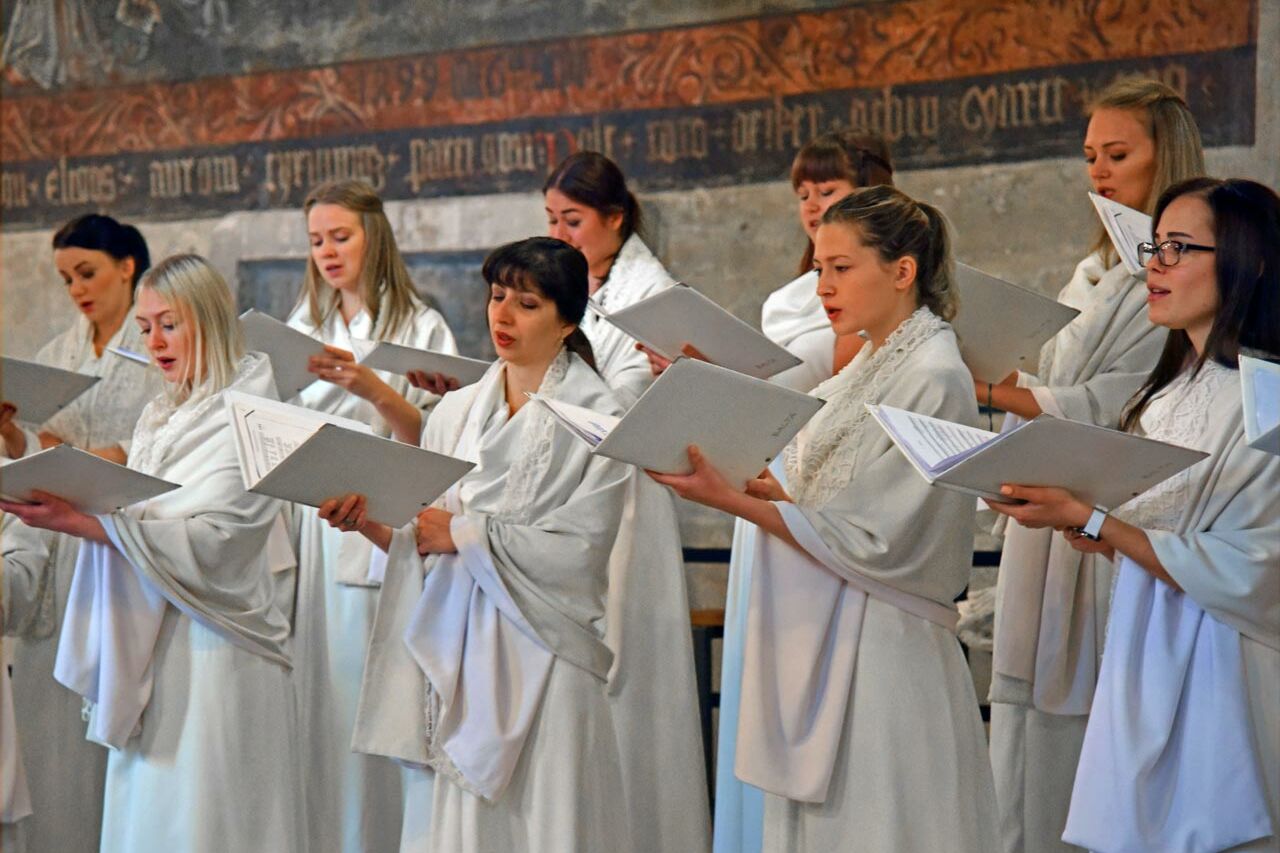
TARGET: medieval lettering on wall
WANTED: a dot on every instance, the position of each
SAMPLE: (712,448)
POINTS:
(697,106)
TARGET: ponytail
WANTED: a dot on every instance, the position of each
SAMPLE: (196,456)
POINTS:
(100,233)
(578,344)
(897,226)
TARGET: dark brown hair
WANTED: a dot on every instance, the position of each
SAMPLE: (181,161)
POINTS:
(101,233)
(862,159)
(1246,268)
(590,178)
(552,268)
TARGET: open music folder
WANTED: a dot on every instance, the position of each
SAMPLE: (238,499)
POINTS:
(740,423)
(288,349)
(1001,326)
(1126,227)
(1260,384)
(396,358)
(307,457)
(38,390)
(669,319)
(1101,466)
(89,483)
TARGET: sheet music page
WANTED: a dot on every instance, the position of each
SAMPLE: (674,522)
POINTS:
(591,427)
(265,437)
(935,443)
(1127,228)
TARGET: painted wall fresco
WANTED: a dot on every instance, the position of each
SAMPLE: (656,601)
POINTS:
(947,81)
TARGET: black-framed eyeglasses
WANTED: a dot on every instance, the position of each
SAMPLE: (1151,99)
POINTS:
(1170,251)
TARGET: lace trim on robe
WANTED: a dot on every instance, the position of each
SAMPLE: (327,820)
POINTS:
(824,457)
(165,419)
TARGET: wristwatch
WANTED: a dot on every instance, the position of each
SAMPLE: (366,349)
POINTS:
(1093,527)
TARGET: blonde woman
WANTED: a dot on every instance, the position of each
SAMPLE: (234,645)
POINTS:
(356,287)
(1051,600)
(171,625)
(99,261)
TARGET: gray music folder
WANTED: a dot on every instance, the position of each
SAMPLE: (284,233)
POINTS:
(89,483)
(38,390)
(669,319)
(1104,467)
(739,422)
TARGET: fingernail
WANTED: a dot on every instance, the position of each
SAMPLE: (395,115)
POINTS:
(1006,490)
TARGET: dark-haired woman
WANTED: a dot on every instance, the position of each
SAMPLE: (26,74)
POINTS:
(100,261)
(589,207)
(489,661)
(1051,601)
(857,713)
(824,171)
(1182,749)
(654,692)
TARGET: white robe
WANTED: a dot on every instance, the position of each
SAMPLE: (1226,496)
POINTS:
(636,274)
(1191,760)
(858,712)
(352,802)
(25,575)
(65,772)
(191,681)
(511,634)
(792,317)
(1051,600)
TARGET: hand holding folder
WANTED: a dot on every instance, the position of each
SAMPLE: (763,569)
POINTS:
(289,350)
(395,358)
(1103,467)
(89,483)
(739,423)
(307,457)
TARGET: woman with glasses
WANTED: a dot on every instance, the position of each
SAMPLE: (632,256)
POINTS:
(1051,600)
(1182,750)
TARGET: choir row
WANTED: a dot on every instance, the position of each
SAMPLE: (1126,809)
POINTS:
(513,672)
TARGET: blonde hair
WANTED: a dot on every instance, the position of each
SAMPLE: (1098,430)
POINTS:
(385,286)
(201,297)
(896,226)
(1172,128)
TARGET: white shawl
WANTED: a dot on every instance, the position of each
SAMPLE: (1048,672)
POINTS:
(793,318)
(636,274)
(1050,604)
(463,642)
(1170,760)
(805,611)
(208,548)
